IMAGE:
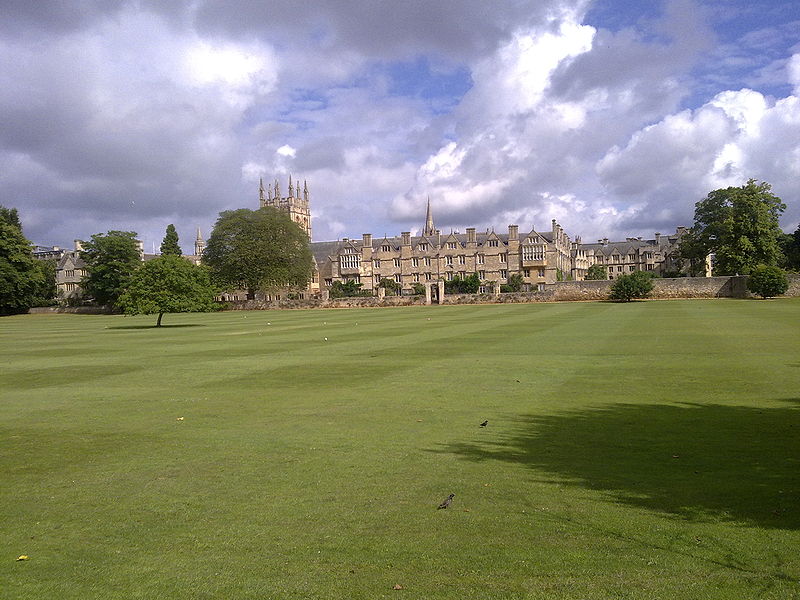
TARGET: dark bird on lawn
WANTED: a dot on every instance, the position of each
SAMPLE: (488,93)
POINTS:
(484,424)
(447,502)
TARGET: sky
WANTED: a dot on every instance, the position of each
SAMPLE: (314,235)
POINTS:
(613,117)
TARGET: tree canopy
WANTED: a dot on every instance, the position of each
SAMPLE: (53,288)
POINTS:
(111,260)
(767,281)
(469,285)
(170,246)
(21,278)
(634,285)
(596,272)
(347,289)
(258,250)
(168,284)
(739,225)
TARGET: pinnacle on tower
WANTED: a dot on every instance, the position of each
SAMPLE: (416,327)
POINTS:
(291,187)
(305,190)
(261,198)
(429,228)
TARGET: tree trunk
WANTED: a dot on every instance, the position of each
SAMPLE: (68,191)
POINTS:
(158,323)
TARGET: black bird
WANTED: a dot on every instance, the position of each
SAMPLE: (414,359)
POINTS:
(484,424)
(447,502)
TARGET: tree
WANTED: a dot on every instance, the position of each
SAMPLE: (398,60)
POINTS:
(595,273)
(111,260)
(790,246)
(20,276)
(170,246)
(638,284)
(419,289)
(469,285)
(347,289)
(767,281)
(45,292)
(168,284)
(739,225)
(391,286)
(257,250)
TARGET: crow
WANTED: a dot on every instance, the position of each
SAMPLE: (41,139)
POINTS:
(447,501)
(484,424)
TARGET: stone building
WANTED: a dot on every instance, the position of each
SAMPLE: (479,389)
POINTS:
(635,254)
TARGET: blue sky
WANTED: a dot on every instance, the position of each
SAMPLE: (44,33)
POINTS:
(613,117)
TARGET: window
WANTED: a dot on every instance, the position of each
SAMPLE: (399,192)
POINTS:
(427,261)
(397,262)
(540,287)
(599,260)
(349,261)
(503,274)
(503,257)
(451,245)
(415,277)
(449,276)
(427,276)
(329,282)
(422,247)
(481,259)
(493,243)
(386,248)
(449,261)
(462,274)
(482,274)
(533,252)
(462,260)
(398,278)
(649,267)
(631,258)
(631,268)
(526,272)
(376,264)
(414,262)
(619,269)
(616,258)
(541,273)
(377,279)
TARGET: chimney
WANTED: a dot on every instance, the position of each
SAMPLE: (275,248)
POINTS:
(513,232)
(471,237)
(78,245)
(366,240)
(658,239)
(406,235)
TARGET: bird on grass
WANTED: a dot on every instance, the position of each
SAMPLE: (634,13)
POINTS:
(484,424)
(447,501)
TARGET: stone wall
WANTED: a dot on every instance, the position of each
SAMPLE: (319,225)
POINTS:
(563,291)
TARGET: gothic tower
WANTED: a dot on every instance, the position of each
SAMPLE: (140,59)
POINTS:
(429,229)
(295,204)
(199,244)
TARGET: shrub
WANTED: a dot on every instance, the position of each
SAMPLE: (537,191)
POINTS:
(768,281)
(638,284)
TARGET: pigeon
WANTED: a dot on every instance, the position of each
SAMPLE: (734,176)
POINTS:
(447,501)
(484,424)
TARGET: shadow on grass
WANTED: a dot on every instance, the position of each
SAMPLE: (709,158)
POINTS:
(154,327)
(696,462)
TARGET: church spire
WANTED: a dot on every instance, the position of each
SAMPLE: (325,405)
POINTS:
(429,228)
(262,201)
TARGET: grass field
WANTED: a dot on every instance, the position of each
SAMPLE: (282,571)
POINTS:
(643,450)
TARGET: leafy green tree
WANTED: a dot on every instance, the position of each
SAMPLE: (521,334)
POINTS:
(638,284)
(767,281)
(595,273)
(790,246)
(419,289)
(111,260)
(45,292)
(258,250)
(391,286)
(739,225)
(20,275)
(170,246)
(469,285)
(347,289)
(168,284)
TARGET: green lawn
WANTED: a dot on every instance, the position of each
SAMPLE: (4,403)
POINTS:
(642,450)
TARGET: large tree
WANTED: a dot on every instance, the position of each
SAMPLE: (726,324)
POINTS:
(111,259)
(258,250)
(790,246)
(739,225)
(168,284)
(169,245)
(21,279)
(596,272)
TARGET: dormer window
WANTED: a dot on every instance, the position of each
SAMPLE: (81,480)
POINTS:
(493,244)
(451,245)
(422,247)
(386,248)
